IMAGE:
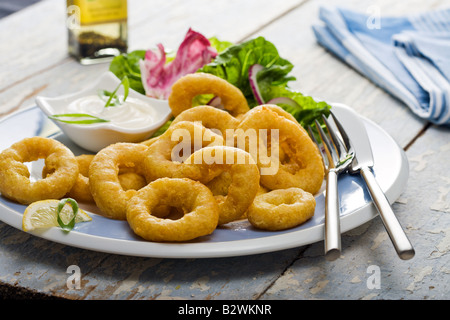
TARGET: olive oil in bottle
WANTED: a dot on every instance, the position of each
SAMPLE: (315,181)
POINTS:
(97,29)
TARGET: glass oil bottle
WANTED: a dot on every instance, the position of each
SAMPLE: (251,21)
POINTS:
(97,29)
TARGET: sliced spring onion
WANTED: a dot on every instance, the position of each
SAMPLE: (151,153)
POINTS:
(113,99)
(106,95)
(69,226)
(91,119)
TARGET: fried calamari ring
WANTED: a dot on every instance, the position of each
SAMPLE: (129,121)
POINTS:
(210,117)
(149,141)
(109,195)
(243,178)
(302,166)
(14,175)
(281,112)
(273,107)
(194,84)
(131,181)
(220,184)
(194,199)
(81,191)
(281,209)
(165,156)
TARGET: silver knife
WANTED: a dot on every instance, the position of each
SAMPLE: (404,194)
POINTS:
(363,163)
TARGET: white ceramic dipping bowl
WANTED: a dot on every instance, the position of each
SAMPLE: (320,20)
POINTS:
(96,136)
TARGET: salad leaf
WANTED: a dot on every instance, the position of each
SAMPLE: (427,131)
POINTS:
(153,72)
(127,64)
(162,129)
(158,76)
(219,45)
(234,62)
(305,109)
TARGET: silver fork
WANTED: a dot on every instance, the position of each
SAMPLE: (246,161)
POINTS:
(337,157)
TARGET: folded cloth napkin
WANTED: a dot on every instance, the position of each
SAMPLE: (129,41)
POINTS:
(407,56)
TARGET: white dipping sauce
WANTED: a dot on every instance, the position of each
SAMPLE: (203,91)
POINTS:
(133,113)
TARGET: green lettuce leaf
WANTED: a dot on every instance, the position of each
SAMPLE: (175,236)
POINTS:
(233,65)
(127,64)
(235,61)
(308,108)
(219,45)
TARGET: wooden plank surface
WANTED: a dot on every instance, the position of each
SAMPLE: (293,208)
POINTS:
(41,266)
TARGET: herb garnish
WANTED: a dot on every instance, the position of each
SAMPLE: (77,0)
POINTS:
(69,226)
(112,101)
(92,119)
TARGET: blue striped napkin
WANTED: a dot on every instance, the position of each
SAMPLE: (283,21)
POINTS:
(407,56)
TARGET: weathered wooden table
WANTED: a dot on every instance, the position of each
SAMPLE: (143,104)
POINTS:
(34,61)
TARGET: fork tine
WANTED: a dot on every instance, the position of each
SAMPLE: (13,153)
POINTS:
(311,135)
(342,132)
(329,148)
(323,156)
(337,142)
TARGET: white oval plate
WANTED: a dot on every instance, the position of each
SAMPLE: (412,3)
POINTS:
(235,239)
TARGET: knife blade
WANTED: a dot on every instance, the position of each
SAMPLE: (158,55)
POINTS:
(356,135)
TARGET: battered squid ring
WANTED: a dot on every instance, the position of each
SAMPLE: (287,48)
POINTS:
(275,108)
(281,112)
(281,209)
(131,180)
(80,190)
(14,175)
(163,157)
(210,117)
(243,178)
(149,141)
(304,167)
(109,195)
(261,190)
(191,85)
(201,211)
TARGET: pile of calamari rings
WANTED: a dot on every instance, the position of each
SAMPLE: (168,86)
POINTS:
(212,166)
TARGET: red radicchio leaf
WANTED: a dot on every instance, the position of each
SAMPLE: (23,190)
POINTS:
(158,77)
